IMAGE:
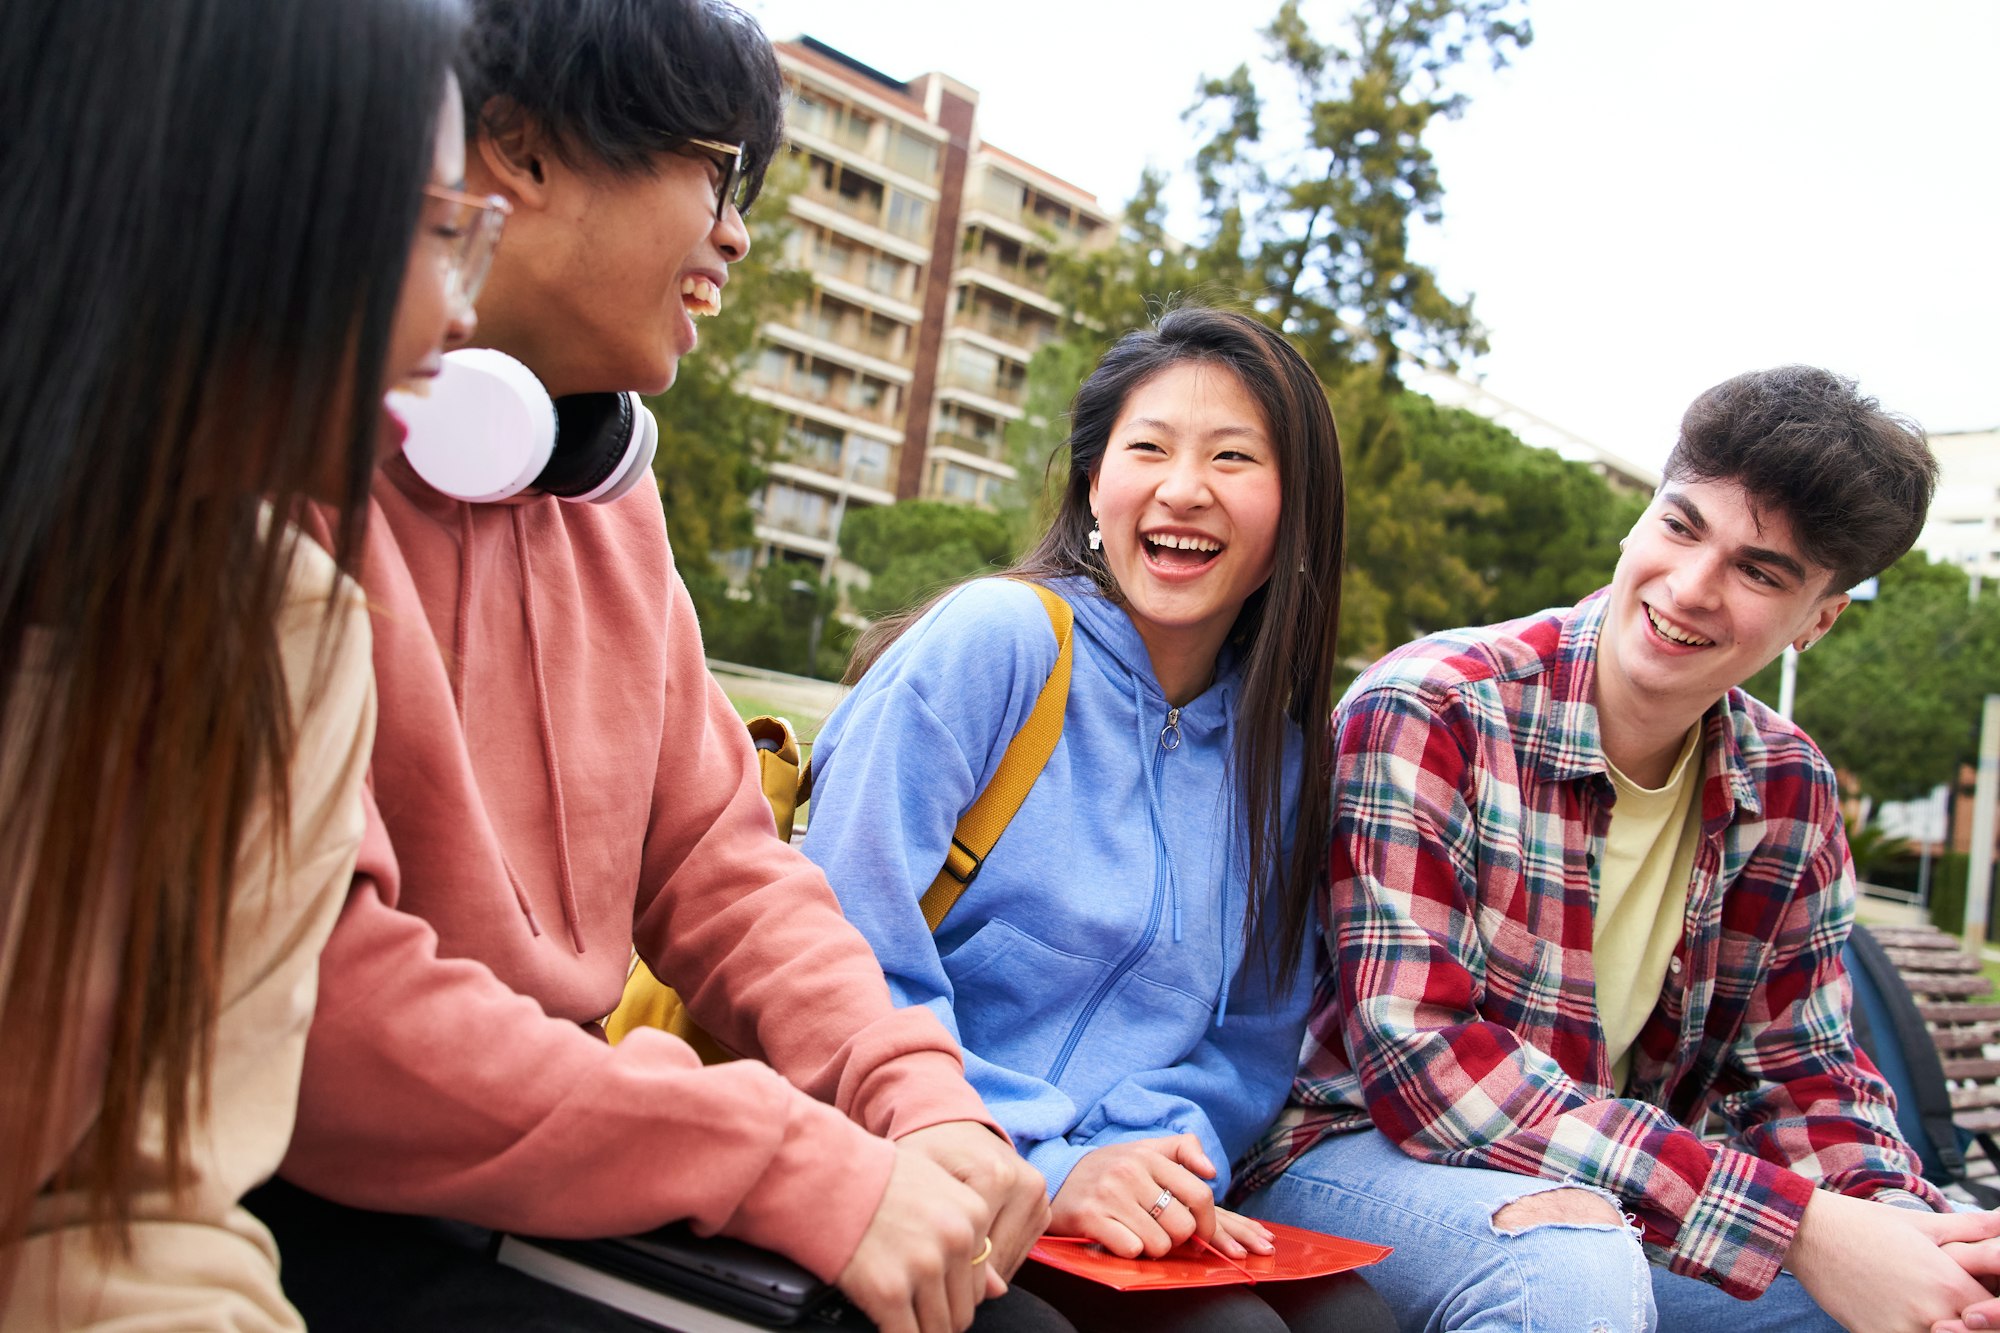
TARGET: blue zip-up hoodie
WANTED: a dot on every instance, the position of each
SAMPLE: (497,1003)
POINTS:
(1094,971)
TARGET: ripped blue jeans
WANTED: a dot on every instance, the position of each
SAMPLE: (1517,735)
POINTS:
(1453,1268)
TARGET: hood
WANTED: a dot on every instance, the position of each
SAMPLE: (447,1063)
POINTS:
(1112,630)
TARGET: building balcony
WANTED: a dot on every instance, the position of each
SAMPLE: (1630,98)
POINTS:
(856,336)
(863,273)
(813,527)
(1033,277)
(813,133)
(1011,393)
(1028,334)
(836,398)
(993,449)
(817,457)
(864,208)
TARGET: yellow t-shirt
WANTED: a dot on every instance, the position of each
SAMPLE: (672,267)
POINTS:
(1642,885)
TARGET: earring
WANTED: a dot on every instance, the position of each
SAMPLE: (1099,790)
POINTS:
(1096,538)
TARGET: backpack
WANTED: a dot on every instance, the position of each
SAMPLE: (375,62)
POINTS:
(1891,1030)
(650,1002)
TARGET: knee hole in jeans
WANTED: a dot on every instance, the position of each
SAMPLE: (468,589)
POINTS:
(1557,1207)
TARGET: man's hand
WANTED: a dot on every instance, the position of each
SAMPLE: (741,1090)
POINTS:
(913,1271)
(1112,1194)
(1015,1191)
(1879,1269)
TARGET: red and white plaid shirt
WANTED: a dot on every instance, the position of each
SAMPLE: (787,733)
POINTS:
(1471,803)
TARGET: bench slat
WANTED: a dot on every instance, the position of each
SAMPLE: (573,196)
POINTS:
(1958,1013)
(1952,987)
(1971,1069)
(1913,937)
(1972,1037)
(1930,961)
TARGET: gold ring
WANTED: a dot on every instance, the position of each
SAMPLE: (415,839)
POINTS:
(984,1251)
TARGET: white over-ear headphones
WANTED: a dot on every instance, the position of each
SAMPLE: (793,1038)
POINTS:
(488,429)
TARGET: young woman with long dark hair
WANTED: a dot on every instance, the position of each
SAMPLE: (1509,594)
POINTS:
(1129,969)
(218,248)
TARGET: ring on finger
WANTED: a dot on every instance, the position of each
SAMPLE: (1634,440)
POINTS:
(985,1252)
(1160,1204)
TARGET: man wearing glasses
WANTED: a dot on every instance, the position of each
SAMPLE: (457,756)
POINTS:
(556,777)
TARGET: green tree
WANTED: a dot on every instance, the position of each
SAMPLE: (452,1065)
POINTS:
(915,548)
(1893,693)
(1545,531)
(1307,227)
(769,621)
(1323,226)
(714,437)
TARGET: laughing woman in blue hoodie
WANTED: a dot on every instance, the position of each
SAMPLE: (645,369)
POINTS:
(1129,971)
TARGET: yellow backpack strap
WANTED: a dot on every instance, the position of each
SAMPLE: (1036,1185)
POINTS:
(777,768)
(1027,754)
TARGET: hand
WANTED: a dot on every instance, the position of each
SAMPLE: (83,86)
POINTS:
(1980,1259)
(1110,1195)
(1239,1237)
(1873,1267)
(913,1271)
(1015,1191)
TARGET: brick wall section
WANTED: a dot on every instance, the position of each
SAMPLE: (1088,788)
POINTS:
(955,118)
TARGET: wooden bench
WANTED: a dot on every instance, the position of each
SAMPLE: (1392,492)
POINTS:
(1952,995)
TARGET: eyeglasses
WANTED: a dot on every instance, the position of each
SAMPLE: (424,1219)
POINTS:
(471,229)
(731,186)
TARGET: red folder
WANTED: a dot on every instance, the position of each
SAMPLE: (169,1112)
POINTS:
(1300,1253)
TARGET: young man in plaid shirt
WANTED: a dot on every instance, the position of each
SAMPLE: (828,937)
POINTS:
(1582,888)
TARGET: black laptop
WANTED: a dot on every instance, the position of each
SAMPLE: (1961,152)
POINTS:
(678,1280)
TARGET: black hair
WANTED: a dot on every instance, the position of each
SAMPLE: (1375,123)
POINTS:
(1287,631)
(1854,481)
(209,209)
(615,83)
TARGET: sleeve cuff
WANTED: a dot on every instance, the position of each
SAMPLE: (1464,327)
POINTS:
(1742,1224)
(1055,1159)
(1896,1198)
(916,1091)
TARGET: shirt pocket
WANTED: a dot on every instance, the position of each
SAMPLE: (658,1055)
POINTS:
(1523,976)
(1016,998)
(1742,964)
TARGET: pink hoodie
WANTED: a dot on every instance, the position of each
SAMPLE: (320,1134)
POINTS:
(556,776)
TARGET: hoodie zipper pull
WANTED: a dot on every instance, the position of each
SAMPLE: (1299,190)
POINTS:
(1170,734)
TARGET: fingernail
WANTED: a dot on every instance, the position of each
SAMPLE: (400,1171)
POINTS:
(1976,1321)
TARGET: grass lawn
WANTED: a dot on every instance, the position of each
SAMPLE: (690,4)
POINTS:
(749,706)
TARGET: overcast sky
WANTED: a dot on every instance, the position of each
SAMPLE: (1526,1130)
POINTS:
(1651,198)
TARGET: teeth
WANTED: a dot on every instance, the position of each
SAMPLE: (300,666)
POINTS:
(701,296)
(1179,543)
(1677,635)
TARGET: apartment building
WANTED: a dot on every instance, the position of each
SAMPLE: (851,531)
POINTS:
(900,373)
(1964,524)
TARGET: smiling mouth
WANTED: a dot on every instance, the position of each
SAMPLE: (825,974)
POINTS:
(1181,551)
(701,297)
(1673,634)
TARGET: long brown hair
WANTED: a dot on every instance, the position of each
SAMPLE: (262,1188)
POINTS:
(1287,629)
(209,208)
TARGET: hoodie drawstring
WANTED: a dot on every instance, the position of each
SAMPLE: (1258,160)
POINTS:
(1159,815)
(455,673)
(1222,923)
(547,728)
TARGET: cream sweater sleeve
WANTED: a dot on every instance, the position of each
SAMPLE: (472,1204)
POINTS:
(197,1259)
